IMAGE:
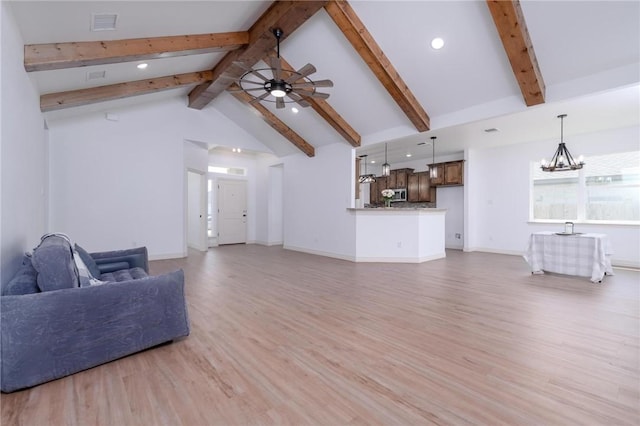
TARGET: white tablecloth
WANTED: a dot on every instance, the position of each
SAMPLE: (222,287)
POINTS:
(584,255)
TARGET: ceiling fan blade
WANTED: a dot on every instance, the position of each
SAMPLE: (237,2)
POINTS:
(276,66)
(314,95)
(259,98)
(300,101)
(279,103)
(251,71)
(309,84)
(301,73)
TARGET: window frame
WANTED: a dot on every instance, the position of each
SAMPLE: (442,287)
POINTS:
(581,208)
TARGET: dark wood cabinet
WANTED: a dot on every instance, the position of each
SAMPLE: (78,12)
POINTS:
(391,180)
(439,178)
(419,189)
(424,188)
(375,190)
(402,177)
(449,173)
(453,173)
(413,188)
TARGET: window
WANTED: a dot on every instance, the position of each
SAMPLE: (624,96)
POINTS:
(606,189)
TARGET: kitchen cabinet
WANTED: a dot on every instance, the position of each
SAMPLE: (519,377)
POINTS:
(449,173)
(375,190)
(419,189)
(401,177)
(439,178)
(453,173)
(391,180)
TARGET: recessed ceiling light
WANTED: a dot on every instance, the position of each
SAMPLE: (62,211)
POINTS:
(437,43)
(408,154)
(142,66)
(294,110)
(373,161)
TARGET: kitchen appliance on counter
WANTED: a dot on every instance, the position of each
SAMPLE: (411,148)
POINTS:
(399,194)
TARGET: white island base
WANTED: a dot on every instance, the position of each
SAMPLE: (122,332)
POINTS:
(399,235)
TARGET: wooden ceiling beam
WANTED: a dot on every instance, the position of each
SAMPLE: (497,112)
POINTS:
(73,98)
(363,42)
(512,28)
(54,56)
(326,111)
(273,121)
(287,15)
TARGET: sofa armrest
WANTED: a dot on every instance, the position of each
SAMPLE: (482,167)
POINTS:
(52,334)
(109,261)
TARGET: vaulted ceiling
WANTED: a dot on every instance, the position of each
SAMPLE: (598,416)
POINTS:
(499,58)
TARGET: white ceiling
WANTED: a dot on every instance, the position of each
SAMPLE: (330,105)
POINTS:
(588,51)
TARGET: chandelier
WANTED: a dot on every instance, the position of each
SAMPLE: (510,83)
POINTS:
(433,170)
(386,167)
(366,178)
(562,160)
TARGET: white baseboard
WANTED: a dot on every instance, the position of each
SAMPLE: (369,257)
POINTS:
(269,243)
(320,253)
(495,251)
(401,259)
(167,256)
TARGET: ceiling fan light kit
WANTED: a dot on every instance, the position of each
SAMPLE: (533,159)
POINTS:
(285,86)
(562,159)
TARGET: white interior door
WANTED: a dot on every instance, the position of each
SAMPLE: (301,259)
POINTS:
(232,211)
(196,204)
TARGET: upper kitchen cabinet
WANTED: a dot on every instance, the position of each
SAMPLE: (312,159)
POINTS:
(402,177)
(449,174)
(454,173)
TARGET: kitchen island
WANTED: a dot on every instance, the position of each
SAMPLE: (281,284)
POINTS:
(404,235)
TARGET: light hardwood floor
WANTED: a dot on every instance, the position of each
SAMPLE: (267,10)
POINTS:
(280,337)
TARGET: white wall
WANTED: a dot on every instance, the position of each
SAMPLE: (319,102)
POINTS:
(24,167)
(498,194)
(317,192)
(257,174)
(122,184)
(275,212)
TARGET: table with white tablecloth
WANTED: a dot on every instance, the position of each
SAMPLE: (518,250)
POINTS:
(584,255)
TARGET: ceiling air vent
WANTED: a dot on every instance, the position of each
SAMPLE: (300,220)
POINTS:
(103,21)
(96,75)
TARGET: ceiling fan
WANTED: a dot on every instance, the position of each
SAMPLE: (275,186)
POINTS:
(296,86)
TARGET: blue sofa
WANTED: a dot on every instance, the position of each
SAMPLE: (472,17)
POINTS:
(55,323)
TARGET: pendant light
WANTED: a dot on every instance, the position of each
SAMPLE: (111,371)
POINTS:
(386,167)
(562,160)
(366,178)
(433,170)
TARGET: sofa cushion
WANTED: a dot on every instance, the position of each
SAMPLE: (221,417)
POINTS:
(124,275)
(25,280)
(84,275)
(88,261)
(53,259)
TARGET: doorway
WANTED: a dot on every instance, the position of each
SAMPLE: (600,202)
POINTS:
(196,210)
(232,212)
